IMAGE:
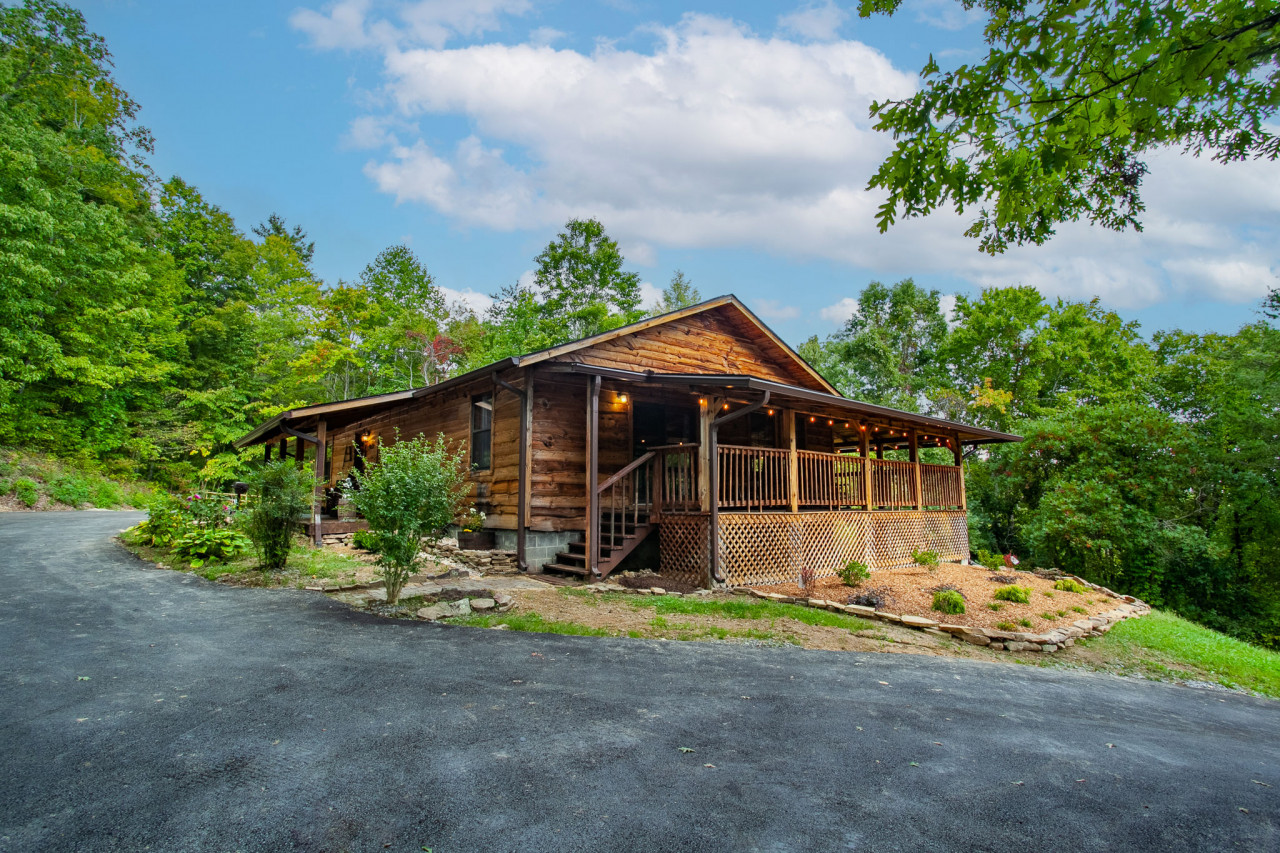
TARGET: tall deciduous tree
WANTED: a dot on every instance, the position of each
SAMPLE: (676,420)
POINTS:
(1054,123)
(581,274)
(680,293)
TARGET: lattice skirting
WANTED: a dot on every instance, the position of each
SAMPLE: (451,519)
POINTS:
(763,548)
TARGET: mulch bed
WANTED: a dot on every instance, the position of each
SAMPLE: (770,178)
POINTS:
(910,591)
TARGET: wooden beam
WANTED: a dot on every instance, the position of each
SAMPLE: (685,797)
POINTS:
(959,454)
(593,474)
(914,450)
(266,456)
(322,446)
(284,448)
(793,457)
(866,467)
(707,409)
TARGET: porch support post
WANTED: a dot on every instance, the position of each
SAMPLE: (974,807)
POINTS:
(866,468)
(593,475)
(284,447)
(299,451)
(955,444)
(793,458)
(266,454)
(322,450)
(707,408)
(915,466)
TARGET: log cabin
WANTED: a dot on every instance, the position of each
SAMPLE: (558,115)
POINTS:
(699,432)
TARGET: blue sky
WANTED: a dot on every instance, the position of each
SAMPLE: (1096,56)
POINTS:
(729,140)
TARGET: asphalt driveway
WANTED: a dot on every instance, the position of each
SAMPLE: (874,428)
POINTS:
(145,709)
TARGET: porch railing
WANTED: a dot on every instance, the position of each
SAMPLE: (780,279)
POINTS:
(758,479)
(941,487)
(831,480)
(623,499)
(754,478)
(675,474)
(893,484)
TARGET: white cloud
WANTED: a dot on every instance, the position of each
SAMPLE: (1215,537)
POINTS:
(944,14)
(650,294)
(841,312)
(352,24)
(718,137)
(772,309)
(477,302)
(543,36)
(817,21)
(947,304)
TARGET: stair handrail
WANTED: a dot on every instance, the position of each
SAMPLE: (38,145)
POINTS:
(631,466)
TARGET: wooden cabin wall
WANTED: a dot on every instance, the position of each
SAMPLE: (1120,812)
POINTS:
(703,343)
(494,492)
(558,499)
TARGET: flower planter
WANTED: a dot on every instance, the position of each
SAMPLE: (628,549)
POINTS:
(476,540)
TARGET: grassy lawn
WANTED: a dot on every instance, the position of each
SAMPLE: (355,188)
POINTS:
(667,624)
(1162,645)
(307,564)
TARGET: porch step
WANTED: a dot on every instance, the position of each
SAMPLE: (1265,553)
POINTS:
(560,567)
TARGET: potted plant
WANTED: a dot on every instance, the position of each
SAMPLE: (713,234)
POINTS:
(471,534)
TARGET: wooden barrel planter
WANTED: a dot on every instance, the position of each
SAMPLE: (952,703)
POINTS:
(476,540)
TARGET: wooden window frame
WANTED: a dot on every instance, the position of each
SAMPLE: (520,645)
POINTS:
(482,436)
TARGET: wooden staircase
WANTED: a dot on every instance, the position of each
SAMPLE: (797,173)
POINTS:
(623,520)
(632,530)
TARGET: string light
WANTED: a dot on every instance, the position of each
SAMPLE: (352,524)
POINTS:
(771,413)
(812,419)
(622,398)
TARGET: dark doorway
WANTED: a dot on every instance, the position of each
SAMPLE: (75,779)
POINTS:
(658,425)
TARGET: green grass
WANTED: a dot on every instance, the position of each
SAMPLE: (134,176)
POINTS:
(530,622)
(741,607)
(1162,643)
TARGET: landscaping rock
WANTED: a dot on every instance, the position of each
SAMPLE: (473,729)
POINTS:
(954,629)
(445,609)
(480,605)
(977,639)
(917,621)
(859,610)
(657,590)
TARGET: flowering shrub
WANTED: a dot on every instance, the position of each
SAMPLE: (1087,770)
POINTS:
(209,511)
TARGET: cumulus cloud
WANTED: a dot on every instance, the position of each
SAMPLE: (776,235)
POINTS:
(354,24)
(772,309)
(650,294)
(718,137)
(817,21)
(841,312)
(479,303)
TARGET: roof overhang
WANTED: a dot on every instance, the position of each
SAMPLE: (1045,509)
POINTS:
(778,391)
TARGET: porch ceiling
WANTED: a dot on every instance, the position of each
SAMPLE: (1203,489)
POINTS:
(814,403)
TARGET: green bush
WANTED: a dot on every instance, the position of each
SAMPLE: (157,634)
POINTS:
(948,601)
(366,539)
(165,522)
(989,559)
(854,573)
(5,486)
(1016,594)
(1006,626)
(26,490)
(282,493)
(415,489)
(106,494)
(70,489)
(200,545)
(1068,585)
(928,559)
(207,510)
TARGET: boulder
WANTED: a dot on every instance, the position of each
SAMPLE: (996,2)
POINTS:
(917,621)
(445,609)
(480,605)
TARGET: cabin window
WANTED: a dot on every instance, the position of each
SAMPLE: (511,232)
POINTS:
(481,432)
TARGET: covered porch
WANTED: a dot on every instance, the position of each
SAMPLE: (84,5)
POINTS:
(768,478)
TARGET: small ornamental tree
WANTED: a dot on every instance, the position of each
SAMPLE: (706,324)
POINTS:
(414,491)
(282,494)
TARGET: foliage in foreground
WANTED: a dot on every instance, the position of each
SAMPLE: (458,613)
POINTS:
(1053,124)
(411,494)
(282,494)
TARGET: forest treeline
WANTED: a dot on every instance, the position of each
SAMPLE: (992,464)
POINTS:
(142,330)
